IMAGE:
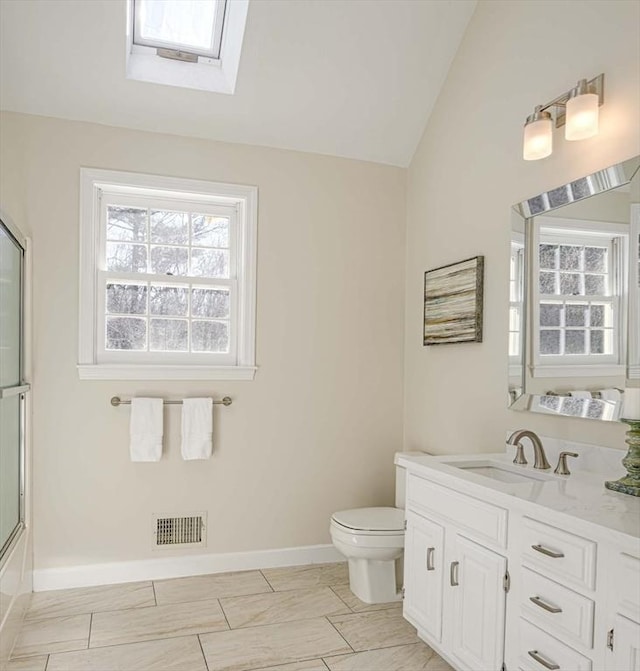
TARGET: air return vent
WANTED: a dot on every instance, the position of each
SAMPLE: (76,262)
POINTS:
(176,530)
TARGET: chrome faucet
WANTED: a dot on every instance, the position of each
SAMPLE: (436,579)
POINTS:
(538,451)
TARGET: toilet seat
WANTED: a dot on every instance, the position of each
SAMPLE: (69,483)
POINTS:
(379,521)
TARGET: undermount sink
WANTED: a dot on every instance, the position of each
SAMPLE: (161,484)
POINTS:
(503,472)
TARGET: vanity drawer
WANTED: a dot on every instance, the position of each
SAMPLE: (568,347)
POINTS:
(559,554)
(481,521)
(538,651)
(627,586)
(557,609)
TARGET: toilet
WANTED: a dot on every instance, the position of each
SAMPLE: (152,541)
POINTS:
(372,540)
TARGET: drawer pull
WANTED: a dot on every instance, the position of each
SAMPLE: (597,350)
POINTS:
(430,553)
(453,574)
(539,602)
(549,553)
(541,660)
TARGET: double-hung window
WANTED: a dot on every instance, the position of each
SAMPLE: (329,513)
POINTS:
(167,278)
(578,287)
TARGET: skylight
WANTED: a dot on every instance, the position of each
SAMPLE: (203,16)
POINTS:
(193,44)
(192,26)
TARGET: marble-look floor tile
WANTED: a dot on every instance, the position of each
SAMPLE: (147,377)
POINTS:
(416,657)
(299,604)
(357,606)
(29,664)
(214,586)
(309,665)
(378,629)
(301,577)
(259,647)
(90,600)
(145,624)
(173,654)
(56,634)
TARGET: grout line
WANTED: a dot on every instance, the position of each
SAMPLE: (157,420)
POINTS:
(297,661)
(120,645)
(281,622)
(225,615)
(266,580)
(46,664)
(206,664)
(341,599)
(153,587)
(90,628)
(323,661)
(340,634)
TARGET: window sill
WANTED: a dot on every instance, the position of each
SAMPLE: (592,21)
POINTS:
(593,370)
(164,372)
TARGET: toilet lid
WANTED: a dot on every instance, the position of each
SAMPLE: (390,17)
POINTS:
(371,519)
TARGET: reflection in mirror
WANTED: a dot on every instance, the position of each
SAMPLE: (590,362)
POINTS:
(574,294)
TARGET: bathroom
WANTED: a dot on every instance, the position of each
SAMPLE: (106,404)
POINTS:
(397,172)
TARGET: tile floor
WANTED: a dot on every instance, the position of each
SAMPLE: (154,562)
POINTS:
(302,618)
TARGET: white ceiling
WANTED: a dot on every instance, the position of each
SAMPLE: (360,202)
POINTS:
(353,78)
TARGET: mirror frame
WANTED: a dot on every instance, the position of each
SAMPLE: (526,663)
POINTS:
(601,181)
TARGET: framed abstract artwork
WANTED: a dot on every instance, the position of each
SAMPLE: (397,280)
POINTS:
(453,302)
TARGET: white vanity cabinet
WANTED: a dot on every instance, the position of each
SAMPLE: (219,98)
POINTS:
(454,585)
(499,580)
(624,636)
(424,574)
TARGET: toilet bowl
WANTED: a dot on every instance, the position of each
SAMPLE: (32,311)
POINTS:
(372,540)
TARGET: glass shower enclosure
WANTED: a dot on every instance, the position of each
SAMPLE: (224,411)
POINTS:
(13,389)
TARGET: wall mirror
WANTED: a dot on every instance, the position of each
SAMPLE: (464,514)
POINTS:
(574,295)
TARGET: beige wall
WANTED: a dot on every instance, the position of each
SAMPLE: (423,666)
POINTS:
(317,429)
(466,174)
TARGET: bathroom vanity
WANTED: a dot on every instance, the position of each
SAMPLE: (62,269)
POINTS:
(511,568)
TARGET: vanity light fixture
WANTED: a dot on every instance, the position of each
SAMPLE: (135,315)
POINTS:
(576,109)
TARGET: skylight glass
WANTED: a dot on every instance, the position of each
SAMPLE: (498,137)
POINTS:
(194,26)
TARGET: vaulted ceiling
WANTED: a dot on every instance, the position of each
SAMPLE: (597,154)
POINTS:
(352,78)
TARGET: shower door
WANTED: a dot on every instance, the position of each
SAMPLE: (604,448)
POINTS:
(12,387)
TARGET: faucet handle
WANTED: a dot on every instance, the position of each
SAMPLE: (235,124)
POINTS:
(562,468)
(520,458)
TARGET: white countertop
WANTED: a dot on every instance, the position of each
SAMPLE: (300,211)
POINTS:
(581,495)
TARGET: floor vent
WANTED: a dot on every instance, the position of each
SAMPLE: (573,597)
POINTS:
(185,531)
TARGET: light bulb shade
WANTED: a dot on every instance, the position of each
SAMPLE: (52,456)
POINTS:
(582,117)
(538,139)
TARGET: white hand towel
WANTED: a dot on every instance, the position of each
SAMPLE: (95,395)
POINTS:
(611,395)
(197,427)
(146,429)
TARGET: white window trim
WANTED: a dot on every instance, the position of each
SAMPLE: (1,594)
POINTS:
(208,74)
(92,182)
(580,366)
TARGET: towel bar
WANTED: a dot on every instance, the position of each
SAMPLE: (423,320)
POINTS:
(116,401)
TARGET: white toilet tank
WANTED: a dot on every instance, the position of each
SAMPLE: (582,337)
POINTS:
(401,477)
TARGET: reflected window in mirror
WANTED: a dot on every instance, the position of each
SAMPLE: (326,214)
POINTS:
(578,284)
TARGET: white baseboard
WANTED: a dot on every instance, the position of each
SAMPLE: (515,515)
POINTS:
(179,567)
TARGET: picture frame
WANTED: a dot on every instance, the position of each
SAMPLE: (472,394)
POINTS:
(453,302)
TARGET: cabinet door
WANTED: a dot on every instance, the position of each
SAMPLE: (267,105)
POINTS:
(626,645)
(423,573)
(476,585)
